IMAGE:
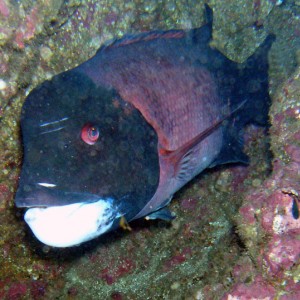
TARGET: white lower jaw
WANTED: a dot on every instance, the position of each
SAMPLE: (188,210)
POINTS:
(69,225)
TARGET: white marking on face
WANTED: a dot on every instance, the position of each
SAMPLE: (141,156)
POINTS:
(54,122)
(69,225)
(53,130)
(45,184)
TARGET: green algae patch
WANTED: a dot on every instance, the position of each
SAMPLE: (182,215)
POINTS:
(239,23)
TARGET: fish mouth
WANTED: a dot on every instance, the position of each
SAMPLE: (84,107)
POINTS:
(73,224)
(46,195)
(64,219)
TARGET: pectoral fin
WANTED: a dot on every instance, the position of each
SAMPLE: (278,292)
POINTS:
(162,214)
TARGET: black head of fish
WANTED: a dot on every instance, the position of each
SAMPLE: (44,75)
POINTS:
(83,143)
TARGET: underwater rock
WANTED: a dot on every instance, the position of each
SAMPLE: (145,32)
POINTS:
(269,223)
(200,255)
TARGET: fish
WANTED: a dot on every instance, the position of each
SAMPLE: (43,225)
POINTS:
(295,209)
(111,140)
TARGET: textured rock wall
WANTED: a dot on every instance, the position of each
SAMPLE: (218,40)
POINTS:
(236,234)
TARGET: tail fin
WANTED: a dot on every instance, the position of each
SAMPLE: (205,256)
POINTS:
(249,85)
(253,85)
(238,82)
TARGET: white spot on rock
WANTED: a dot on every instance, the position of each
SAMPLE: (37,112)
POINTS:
(3,85)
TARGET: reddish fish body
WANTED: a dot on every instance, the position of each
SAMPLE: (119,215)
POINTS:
(136,122)
(182,87)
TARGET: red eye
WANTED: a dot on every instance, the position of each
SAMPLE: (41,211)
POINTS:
(90,133)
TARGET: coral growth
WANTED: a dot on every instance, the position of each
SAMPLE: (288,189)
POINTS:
(269,222)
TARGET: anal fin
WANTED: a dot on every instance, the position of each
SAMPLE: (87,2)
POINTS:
(232,149)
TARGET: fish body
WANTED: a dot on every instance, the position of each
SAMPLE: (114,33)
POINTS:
(118,135)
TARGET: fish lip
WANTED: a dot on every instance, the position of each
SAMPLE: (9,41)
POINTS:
(73,224)
(34,195)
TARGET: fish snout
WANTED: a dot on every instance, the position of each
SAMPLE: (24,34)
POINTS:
(49,195)
(31,195)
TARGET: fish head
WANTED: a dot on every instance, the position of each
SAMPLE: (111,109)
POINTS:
(90,158)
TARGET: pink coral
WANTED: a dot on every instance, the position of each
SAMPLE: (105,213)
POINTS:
(27,30)
(277,217)
(113,272)
(16,291)
(282,254)
(259,289)
(268,222)
(4,9)
(247,211)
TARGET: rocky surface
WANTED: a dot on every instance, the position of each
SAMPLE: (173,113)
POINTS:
(236,234)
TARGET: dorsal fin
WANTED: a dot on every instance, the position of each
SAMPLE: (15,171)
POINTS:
(177,156)
(144,37)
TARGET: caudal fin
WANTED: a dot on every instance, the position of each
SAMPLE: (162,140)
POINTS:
(248,83)
(254,87)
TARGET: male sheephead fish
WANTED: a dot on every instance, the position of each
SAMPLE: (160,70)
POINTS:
(114,138)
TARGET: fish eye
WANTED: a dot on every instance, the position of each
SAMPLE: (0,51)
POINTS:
(89,133)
